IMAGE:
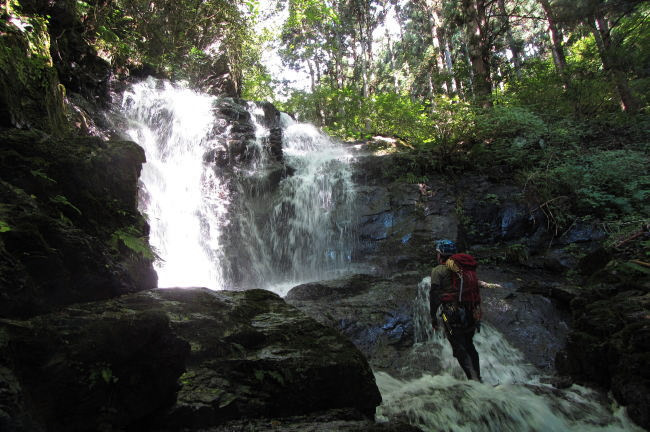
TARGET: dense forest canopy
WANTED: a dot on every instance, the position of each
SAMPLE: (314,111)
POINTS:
(551,93)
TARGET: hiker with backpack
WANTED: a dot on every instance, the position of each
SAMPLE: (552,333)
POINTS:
(455,299)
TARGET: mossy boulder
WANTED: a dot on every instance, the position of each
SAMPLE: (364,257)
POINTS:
(70,227)
(177,359)
(31,95)
(609,344)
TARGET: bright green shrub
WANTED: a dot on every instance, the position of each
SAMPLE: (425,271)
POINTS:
(608,184)
(510,135)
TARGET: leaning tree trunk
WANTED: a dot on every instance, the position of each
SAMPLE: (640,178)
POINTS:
(611,64)
(556,43)
(514,46)
(478,47)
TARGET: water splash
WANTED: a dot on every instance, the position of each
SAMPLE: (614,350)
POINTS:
(313,214)
(511,398)
(184,199)
(300,229)
(248,220)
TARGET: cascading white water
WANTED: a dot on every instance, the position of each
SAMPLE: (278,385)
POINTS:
(184,200)
(317,204)
(512,396)
(307,233)
(299,230)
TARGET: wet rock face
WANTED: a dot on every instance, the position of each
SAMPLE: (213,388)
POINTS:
(215,76)
(178,359)
(609,344)
(380,316)
(376,314)
(68,208)
(398,221)
(31,95)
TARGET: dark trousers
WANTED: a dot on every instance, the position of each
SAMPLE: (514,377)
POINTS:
(465,352)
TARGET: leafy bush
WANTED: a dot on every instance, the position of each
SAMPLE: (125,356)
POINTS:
(132,238)
(510,135)
(608,184)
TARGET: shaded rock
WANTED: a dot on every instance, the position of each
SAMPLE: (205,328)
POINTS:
(376,314)
(73,231)
(609,344)
(381,316)
(559,260)
(255,356)
(31,95)
(216,77)
(582,232)
(333,420)
(398,221)
(92,367)
(177,359)
(493,213)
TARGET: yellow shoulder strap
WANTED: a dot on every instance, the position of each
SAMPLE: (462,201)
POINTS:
(451,265)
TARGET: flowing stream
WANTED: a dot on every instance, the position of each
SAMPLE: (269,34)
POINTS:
(255,223)
(512,397)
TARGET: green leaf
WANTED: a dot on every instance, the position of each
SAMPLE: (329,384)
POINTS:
(60,199)
(131,238)
(41,174)
(4,226)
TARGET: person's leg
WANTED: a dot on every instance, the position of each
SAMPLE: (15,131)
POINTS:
(459,344)
(473,354)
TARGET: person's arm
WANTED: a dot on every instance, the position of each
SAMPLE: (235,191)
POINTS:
(484,284)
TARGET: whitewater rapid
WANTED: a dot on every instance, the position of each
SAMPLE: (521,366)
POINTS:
(514,395)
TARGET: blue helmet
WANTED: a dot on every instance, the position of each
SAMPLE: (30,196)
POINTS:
(446,247)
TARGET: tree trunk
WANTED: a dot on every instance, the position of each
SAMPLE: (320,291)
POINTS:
(556,43)
(478,47)
(457,82)
(514,46)
(468,62)
(311,75)
(364,62)
(600,29)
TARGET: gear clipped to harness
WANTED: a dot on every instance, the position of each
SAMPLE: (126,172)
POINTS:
(461,304)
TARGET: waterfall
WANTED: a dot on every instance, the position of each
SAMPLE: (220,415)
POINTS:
(513,395)
(182,198)
(247,220)
(316,203)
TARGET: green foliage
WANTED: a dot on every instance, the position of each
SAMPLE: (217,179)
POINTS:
(41,174)
(60,199)
(256,79)
(101,373)
(511,135)
(133,240)
(172,36)
(608,184)
(4,226)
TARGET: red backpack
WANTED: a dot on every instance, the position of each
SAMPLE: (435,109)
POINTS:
(464,282)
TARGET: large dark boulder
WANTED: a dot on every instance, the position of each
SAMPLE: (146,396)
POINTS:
(178,359)
(70,227)
(609,344)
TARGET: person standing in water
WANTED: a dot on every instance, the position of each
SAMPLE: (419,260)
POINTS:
(455,300)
